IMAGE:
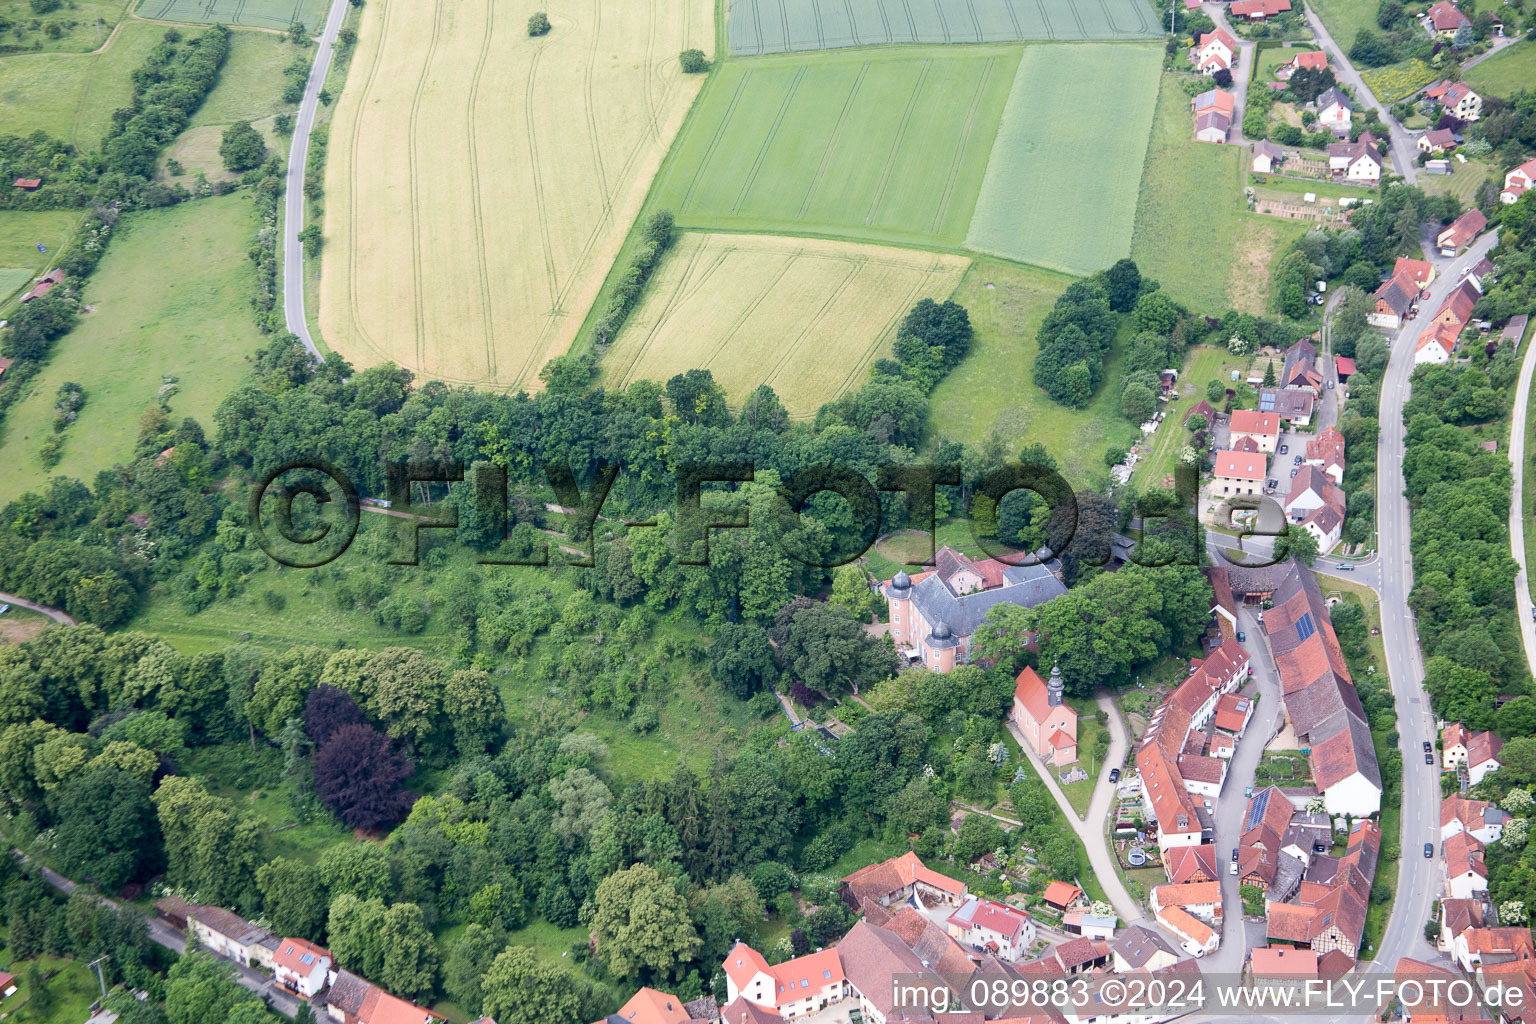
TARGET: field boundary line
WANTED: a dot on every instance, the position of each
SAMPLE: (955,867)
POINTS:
(751,307)
(831,148)
(474,182)
(970,8)
(352,217)
(762,150)
(416,260)
(689,283)
(896,143)
(965,138)
(714,142)
(1013,18)
(934,267)
(1045,19)
(856,266)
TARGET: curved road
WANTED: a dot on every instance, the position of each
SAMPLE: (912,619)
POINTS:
(1517,507)
(293,199)
(42,609)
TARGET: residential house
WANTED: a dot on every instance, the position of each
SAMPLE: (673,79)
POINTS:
(1436,344)
(1263,427)
(1313,60)
(1266,157)
(1437,141)
(1212,126)
(1237,474)
(795,988)
(649,1006)
(1316,503)
(1258,10)
(1479,819)
(1456,310)
(934,613)
(1456,98)
(1355,161)
(1333,111)
(1213,52)
(223,932)
(1282,966)
(1329,908)
(1461,232)
(1518,181)
(1140,948)
(1456,916)
(1191,864)
(1196,935)
(1478,948)
(1479,751)
(1482,276)
(1077,956)
(1433,1002)
(898,879)
(1466,871)
(1326,451)
(1394,302)
(1300,370)
(301,967)
(1233,713)
(352,1000)
(1202,899)
(1445,19)
(1201,408)
(1004,931)
(1048,724)
(873,958)
(1417,272)
(1212,101)
(1292,406)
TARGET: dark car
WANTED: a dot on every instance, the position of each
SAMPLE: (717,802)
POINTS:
(1428,746)
(1294,472)
(1234,854)
(1242,637)
(1284,448)
(1298,460)
(1429,850)
(1429,758)
(1114,775)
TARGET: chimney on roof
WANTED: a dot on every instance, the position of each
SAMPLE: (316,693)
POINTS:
(1053,690)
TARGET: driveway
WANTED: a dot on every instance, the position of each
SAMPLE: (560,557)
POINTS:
(1403,152)
(42,609)
(1240,75)
(1517,462)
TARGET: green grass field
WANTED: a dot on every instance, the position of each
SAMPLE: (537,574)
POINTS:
(774,26)
(172,296)
(1463,181)
(72,96)
(274,14)
(882,145)
(1398,81)
(1506,72)
(20,231)
(251,81)
(1192,233)
(1203,364)
(83,25)
(1060,190)
(72,986)
(1345,18)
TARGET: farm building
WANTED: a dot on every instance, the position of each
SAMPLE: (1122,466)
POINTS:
(1259,10)
(45,284)
(27,184)
(1461,232)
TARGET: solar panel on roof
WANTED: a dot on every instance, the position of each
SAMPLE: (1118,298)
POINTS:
(307,959)
(1305,626)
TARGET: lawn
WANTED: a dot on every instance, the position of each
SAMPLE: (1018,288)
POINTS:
(1192,232)
(83,25)
(269,14)
(805,316)
(1345,18)
(20,233)
(1060,191)
(1080,794)
(885,145)
(774,26)
(449,112)
(72,96)
(1463,181)
(171,297)
(72,985)
(251,81)
(1505,72)
(990,391)
(909,549)
(1203,364)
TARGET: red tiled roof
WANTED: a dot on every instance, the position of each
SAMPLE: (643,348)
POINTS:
(27,182)
(1245,421)
(1445,17)
(291,952)
(1060,894)
(648,1006)
(1186,924)
(1239,466)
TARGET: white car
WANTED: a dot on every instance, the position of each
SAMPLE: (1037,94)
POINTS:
(1232,868)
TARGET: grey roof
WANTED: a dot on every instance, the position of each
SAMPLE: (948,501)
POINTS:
(1266,148)
(1138,944)
(1397,298)
(1287,879)
(1025,586)
(348,992)
(1332,96)
(1286,404)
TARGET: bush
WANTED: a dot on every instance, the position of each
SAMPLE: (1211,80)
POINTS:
(693,62)
(243,147)
(538,24)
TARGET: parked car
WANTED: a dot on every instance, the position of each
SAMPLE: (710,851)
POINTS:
(1232,868)
(1298,460)
(1330,385)
(1234,855)
(1294,472)
(1274,483)
(1242,637)
(1248,791)
(1284,448)
(1428,747)
(1429,758)
(1114,775)
(1429,850)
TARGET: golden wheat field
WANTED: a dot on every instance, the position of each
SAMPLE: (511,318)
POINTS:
(480,182)
(805,316)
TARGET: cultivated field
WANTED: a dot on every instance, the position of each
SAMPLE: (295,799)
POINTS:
(886,145)
(277,14)
(480,182)
(1505,72)
(171,296)
(20,231)
(775,26)
(805,316)
(72,96)
(1060,190)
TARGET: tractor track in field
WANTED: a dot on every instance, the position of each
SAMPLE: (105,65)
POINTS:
(1045,19)
(965,138)
(650,74)
(474,189)
(751,307)
(419,284)
(762,150)
(856,266)
(353,217)
(687,286)
(714,142)
(890,325)
(901,134)
(538,182)
(589,112)
(831,148)
(1013,19)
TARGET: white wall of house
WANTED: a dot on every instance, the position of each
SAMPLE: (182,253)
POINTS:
(1355,795)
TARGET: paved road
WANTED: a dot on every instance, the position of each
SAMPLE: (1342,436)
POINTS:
(1419,878)
(293,200)
(42,609)
(1403,151)
(1517,508)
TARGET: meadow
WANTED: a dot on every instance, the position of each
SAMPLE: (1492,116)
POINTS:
(1192,232)
(1398,81)
(757,27)
(804,316)
(72,96)
(171,297)
(1059,191)
(82,26)
(885,146)
(480,184)
(1505,72)
(1345,18)
(270,14)
(20,233)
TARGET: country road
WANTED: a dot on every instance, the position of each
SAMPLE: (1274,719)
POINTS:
(42,609)
(1403,152)
(1517,462)
(293,199)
